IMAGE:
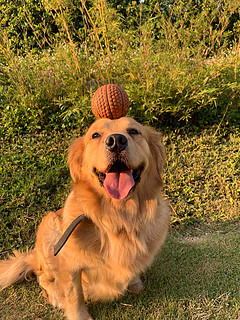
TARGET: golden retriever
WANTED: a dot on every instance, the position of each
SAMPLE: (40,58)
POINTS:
(116,169)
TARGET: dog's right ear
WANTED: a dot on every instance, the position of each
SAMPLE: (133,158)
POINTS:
(75,157)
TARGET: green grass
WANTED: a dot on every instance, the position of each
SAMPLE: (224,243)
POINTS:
(202,175)
(34,180)
(201,179)
(196,276)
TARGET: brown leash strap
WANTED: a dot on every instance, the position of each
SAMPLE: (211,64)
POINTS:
(67,233)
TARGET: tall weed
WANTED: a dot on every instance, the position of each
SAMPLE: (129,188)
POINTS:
(178,65)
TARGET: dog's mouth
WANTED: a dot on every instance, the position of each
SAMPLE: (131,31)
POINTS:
(119,180)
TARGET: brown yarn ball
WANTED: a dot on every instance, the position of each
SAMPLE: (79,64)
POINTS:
(110,101)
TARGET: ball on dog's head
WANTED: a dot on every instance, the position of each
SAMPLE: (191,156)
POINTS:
(110,101)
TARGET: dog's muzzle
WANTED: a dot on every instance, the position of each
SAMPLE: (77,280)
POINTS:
(119,179)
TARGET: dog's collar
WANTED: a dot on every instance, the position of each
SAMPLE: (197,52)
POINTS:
(67,233)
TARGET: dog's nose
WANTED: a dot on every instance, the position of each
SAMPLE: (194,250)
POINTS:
(116,142)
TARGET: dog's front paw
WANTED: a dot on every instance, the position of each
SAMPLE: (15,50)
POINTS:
(78,314)
(87,318)
(136,286)
(81,318)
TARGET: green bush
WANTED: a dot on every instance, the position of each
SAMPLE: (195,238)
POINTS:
(160,57)
(26,25)
(39,90)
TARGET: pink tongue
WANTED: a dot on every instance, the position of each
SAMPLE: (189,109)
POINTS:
(119,183)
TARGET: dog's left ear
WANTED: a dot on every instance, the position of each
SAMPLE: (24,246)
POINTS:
(157,149)
(75,156)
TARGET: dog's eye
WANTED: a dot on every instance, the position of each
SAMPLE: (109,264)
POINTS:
(133,131)
(96,135)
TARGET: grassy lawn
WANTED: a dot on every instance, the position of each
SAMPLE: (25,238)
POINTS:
(197,274)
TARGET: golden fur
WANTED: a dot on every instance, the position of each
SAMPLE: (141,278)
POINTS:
(110,249)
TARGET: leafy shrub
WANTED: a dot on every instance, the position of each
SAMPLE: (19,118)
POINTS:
(26,25)
(39,91)
(172,77)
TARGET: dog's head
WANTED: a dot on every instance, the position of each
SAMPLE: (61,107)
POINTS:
(117,157)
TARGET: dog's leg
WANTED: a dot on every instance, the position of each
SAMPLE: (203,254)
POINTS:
(75,307)
(136,285)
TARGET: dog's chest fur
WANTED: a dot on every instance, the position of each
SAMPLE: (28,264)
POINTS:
(112,248)
(118,259)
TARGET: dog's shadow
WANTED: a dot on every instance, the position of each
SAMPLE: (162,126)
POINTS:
(189,270)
